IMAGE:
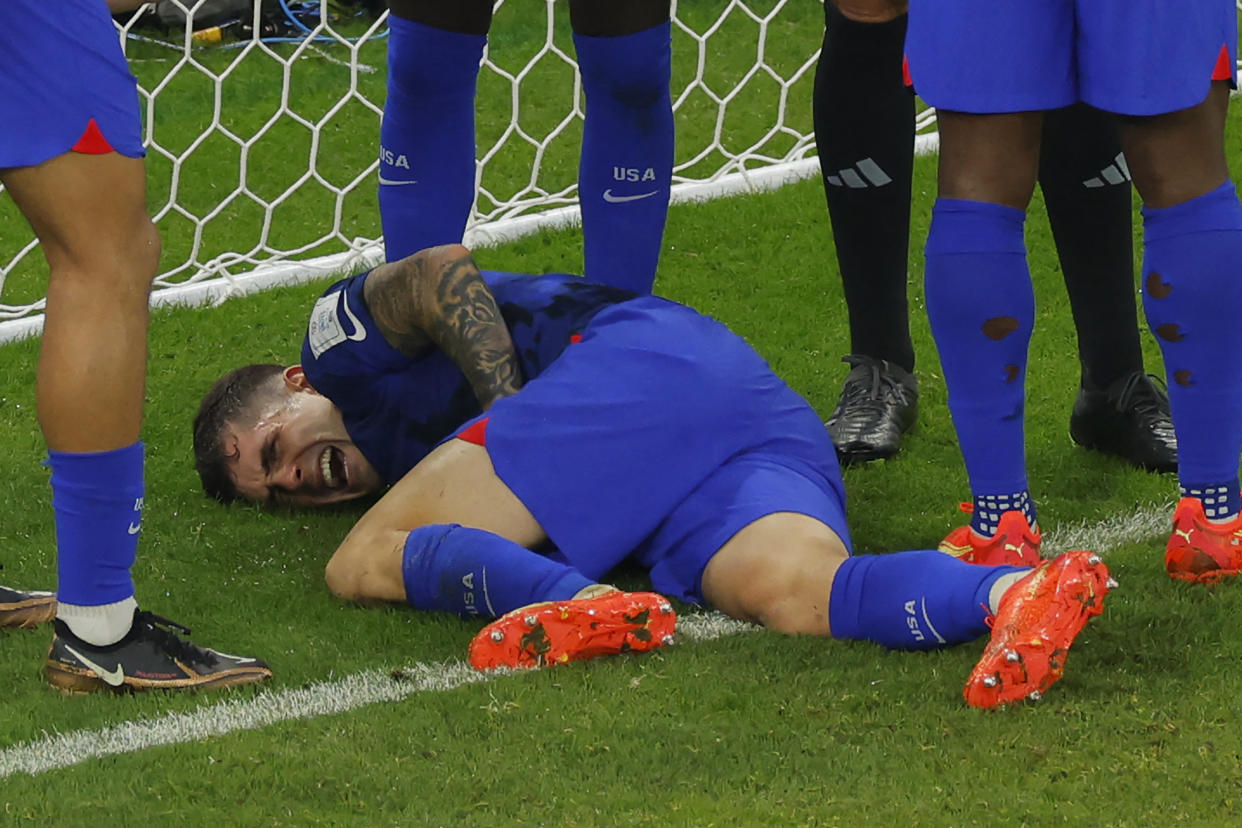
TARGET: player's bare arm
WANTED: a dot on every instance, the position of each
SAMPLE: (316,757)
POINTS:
(438,297)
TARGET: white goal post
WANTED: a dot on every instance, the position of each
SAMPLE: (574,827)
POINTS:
(222,123)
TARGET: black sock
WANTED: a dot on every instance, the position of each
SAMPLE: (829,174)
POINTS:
(864,129)
(1087,189)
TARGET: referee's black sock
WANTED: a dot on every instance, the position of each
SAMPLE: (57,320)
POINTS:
(1086,187)
(864,129)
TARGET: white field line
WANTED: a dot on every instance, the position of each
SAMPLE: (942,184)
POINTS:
(268,708)
(373,686)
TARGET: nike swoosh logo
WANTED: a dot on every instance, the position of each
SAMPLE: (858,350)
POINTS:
(115,678)
(360,333)
(616,199)
(135,528)
(395,182)
(928,622)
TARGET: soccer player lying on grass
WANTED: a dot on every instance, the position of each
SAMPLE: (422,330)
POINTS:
(537,431)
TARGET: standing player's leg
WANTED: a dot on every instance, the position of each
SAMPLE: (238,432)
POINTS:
(982,309)
(1086,186)
(980,300)
(864,134)
(426,172)
(451,536)
(1192,293)
(79,180)
(1173,132)
(624,50)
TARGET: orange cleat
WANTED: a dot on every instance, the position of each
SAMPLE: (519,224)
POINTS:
(1199,550)
(26,608)
(1014,544)
(557,632)
(1033,628)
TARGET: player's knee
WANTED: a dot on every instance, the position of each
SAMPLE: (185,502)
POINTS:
(636,80)
(366,569)
(777,572)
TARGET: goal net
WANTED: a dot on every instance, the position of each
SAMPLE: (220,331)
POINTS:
(262,134)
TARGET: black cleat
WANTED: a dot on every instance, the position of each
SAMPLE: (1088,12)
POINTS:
(26,608)
(151,656)
(879,402)
(1130,419)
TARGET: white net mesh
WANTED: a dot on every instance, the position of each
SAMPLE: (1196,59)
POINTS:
(262,150)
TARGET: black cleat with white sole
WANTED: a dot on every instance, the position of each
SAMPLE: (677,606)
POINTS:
(153,655)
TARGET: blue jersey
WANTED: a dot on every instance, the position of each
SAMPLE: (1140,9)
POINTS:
(397,408)
(645,430)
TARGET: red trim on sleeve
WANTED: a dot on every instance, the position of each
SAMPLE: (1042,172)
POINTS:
(905,71)
(574,339)
(92,141)
(475,433)
(1225,69)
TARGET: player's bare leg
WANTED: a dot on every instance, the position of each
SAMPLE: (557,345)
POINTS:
(778,572)
(792,574)
(89,212)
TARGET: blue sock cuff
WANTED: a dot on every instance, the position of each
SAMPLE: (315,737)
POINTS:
(916,600)
(97,498)
(466,571)
(1214,210)
(976,227)
(635,67)
(424,55)
(101,469)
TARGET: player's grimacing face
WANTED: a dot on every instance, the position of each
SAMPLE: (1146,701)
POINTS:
(297,453)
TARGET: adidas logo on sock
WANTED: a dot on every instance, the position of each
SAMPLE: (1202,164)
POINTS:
(1115,173)
(850,176)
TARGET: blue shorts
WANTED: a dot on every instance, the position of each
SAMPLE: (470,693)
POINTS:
(1134,57)
(656,438)
(61,67)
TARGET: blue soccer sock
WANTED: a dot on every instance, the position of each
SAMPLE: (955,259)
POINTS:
(453,568)
(97,499)
(1192,293)
(426,171)
(982,308)
(918,600)
(626,167)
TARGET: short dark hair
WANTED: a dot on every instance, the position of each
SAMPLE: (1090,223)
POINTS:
(228,399)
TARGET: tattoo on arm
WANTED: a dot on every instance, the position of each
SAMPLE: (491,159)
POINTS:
(439,297)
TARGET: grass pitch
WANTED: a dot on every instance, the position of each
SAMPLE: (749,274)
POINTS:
(750,728)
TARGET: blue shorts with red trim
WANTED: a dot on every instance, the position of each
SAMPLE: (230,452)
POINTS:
(1134,57)
(656,438)
(64,83)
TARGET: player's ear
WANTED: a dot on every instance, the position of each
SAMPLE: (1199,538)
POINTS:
(295,379)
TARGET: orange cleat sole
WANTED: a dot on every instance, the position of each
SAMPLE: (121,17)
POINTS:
(557,632)
(1037,621)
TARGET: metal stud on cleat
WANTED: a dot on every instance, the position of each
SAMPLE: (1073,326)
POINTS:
(990,681)
(668,641)
(1012,656)
(1034,695)
(497,635)
(665,608)
(531,620)
(1111,583)
(1094,559)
